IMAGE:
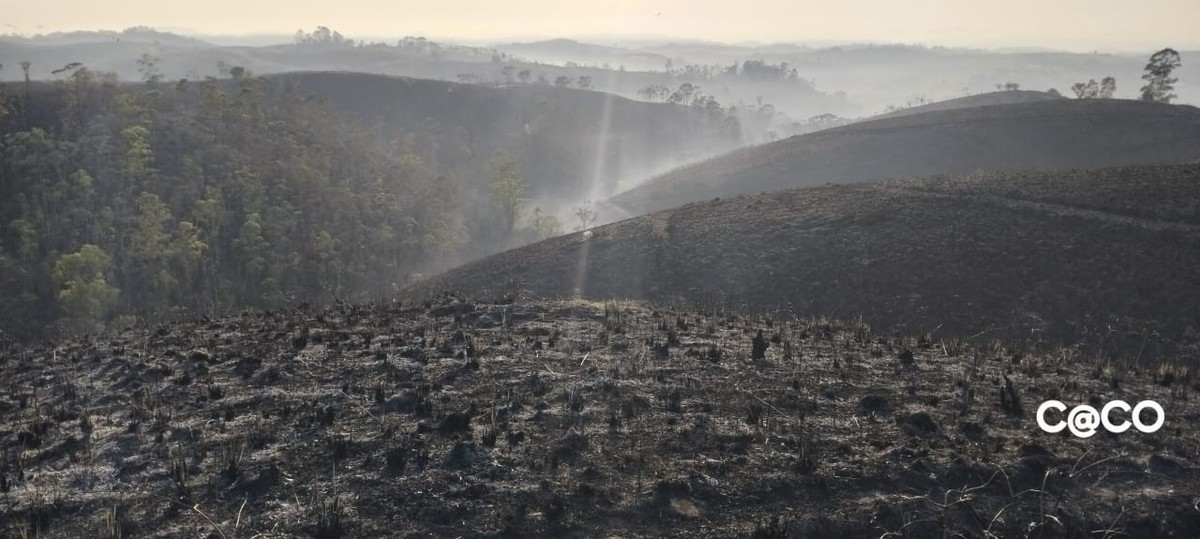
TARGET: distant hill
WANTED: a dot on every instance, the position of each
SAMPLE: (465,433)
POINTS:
(1106,257)
(1035,134)
(573,143)
(135,34)
(847,80)
(979,100)
(560,51)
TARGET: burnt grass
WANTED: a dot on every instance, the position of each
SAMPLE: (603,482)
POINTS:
(1104,259)
(574,418)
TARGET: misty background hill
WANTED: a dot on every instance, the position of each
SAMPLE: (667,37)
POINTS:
(1102,257)
(847,80)
(1031,132)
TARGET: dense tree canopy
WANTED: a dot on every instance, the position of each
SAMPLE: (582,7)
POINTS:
(122,202)
(143,201)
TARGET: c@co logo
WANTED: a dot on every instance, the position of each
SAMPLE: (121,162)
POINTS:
(1083,420)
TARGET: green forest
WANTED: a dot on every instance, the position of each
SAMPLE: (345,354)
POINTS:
(125,203)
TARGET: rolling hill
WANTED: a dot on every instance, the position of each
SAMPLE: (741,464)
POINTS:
(1105,258)
(1007,97)
(1040,134)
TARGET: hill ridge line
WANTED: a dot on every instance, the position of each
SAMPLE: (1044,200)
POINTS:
(1059,209)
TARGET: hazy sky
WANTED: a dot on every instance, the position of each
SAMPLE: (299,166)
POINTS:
(1073,24)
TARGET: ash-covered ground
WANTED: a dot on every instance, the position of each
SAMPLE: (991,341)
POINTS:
(577,419)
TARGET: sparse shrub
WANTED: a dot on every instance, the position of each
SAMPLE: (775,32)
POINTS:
(632,406)
(875,404)
(918,424)
(514,438)
(117,524)
(554,510)
(614,423)
(1168,374)
(755,413)
(329,520)
(38,516)
(571,446)
(396,460)
(674,401)
(807,462)
(1010,400)
(178,461)
(574,398)
(758,346)
(455,423)
(462,455)
(965,397)
(489,437)
(614,318)
(339,446)
(771,529)
(231,453)
(661,351)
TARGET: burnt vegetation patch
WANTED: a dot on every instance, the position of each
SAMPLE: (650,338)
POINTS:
(1043,257)
(570,424)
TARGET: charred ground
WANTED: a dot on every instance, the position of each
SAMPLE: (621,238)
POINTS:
(574,419)
(1098,258)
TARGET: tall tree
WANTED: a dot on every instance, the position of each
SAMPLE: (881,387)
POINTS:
(1108,87)
(1089,90)
(586,215)
(1160,85)
(83,289)
(508,192)
(149,278)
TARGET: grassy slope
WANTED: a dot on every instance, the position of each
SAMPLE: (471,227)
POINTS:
(1055,134)
(571,420)
(1105,257)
